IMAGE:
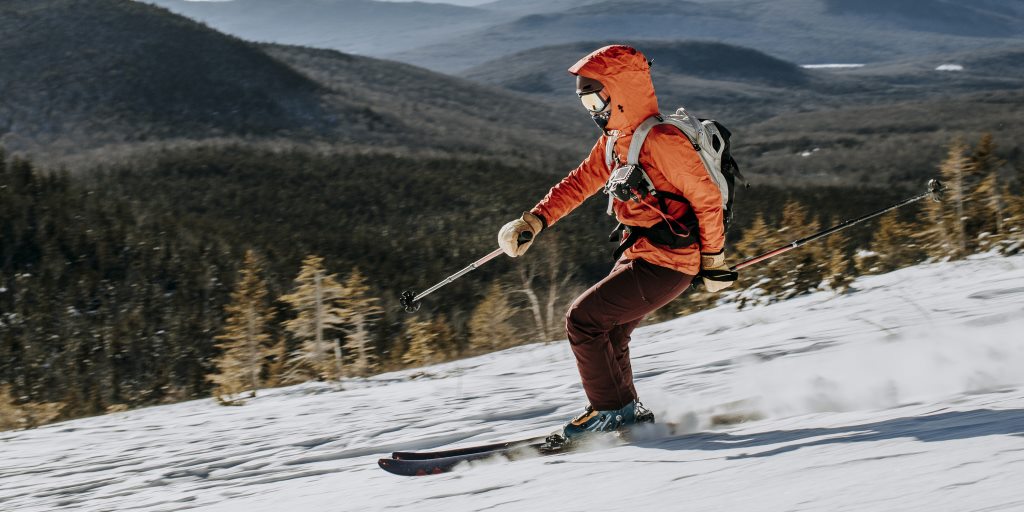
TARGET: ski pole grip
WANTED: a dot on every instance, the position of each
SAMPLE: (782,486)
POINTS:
(524,237)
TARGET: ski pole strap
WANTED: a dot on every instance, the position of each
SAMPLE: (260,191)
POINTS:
(719,275)
(713,275)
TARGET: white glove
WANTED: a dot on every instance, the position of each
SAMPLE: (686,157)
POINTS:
(517,236)
(713,265)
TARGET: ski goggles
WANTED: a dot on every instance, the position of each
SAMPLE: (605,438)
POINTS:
(594,101)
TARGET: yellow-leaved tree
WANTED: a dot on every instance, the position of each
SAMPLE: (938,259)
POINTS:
(429,342)
(490,327)
(246,341)
(320,316)
(364,310)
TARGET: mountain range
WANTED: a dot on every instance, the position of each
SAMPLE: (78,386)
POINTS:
(453,39)
(78,75)
(95,79)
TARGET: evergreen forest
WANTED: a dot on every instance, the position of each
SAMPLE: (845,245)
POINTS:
(185,214)
(218,270)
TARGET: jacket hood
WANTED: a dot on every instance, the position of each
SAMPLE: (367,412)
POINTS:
(626,76)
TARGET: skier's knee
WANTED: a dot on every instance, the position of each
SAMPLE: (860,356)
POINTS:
(581,325)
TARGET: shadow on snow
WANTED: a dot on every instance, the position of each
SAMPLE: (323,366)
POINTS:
(936,427)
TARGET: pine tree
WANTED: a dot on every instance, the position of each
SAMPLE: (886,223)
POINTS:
(1014,223)
(893,245)
(757,280)
(840,271)
(364,311)
(490,326)
(944,235)
(246,340)
(429,342)
(985,201)
(805,267)
(990,212)
(317,303)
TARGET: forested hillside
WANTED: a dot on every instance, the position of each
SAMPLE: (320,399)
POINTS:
(124,281)
(185,214)
(102,304)
(102,80)
(109,71)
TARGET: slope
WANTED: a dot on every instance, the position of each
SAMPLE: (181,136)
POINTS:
(903,395)
(442,111)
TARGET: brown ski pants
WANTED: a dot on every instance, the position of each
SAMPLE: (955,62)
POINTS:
(600,321)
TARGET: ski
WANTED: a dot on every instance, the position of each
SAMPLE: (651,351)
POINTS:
(420,463)
(468,450)
(445,464)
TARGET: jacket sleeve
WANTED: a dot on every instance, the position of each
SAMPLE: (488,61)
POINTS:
(584,181)
(683,168)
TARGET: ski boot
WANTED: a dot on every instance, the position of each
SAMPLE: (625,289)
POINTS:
(592,421)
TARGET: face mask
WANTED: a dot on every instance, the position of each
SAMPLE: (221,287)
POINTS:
(597,104)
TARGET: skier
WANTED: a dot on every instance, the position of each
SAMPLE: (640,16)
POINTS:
(614,84)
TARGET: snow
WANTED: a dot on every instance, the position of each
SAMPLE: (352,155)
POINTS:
(907,394)
(832,66)
(463,3)
(949,67)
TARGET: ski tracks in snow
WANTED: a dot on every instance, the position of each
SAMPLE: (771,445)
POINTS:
(906,394)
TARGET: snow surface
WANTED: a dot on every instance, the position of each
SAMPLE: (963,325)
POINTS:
(907,394)
(832,66)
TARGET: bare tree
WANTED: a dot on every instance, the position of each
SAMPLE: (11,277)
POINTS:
(547,283)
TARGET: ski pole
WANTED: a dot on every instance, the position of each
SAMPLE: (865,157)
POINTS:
(411,301)
(935,189)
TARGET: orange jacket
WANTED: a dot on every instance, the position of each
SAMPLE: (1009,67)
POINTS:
(667,156)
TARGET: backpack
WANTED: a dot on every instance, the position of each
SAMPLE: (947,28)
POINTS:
(711,141)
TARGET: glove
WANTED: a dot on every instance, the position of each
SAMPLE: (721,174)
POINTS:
(715,272)
(517,236)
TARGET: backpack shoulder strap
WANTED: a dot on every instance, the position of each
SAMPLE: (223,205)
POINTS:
(639,136)
(609,151)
